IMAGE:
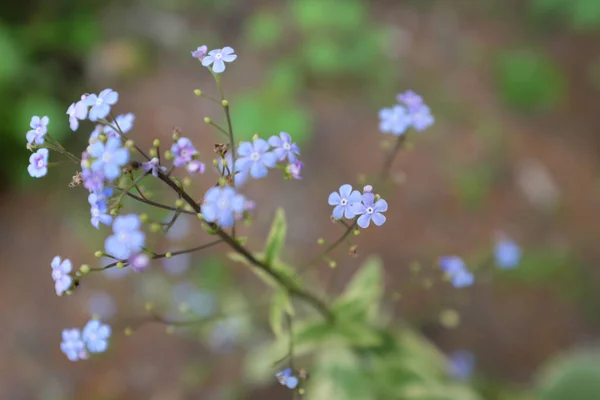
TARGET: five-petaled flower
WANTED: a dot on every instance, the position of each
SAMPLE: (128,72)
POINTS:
(255,157)
(95,336)
(421,118)
(109,157)
(99,209)
(72,345)
(284,147)
(200,52)
(457,272)
(370,210)
(77,111)
(507,253)
(222,205)
(183,151)
(39,128)
(344,202)
(286,378)
(395,120)
(218,58)
(38,163)
(101,103)
(127,239)
(60,274)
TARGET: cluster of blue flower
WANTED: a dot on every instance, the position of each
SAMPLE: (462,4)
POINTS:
(411,112)
(93,338)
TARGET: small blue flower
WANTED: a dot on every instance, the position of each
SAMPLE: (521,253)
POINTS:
(72,345)
(39,128)
(456,270)
(370,210)
(410,99)
(127,239)
(507,253)
(139,262)
(395,120)
(344,201)
(240,176)
(284,147)
(218,58)
(100,215)
(286,378)
(109,157)
(95,336)
(200,52)
(256,158)
(153,166)
(421,118)
(60,274)
(38,163)
(462,365)
(294,169)
(77,111)
(92,180)
(123,122)
(196,167)
(223,206)
(183,151)
(101,103)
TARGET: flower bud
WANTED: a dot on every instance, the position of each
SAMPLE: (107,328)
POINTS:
(84,269)
(156,143)
(179,203)
(130,144)
(207,120)
(153,152)
(155,227)
(128,331)
(225,103)
(144,218)
(169,255)
(356,232)
(198,92)
(332,264)
(169,155)
(321,241)
(149,306)
(187,181)
(120,265)
(99,254)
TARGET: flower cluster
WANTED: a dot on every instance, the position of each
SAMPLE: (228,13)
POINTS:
(411,112)
(456,271)
(94,339)
(349,203)
(286,378)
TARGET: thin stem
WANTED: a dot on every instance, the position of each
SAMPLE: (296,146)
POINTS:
(223,131)
(172,221)
(120,133)
(62,150)
(389,160)
(158,205)
(331,247)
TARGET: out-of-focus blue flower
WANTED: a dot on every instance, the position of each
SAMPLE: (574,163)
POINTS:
(123,122)
(77,111)
(139,262)
(410,99)
(92,180)
(343,201)
(507,253)
(127,239)
(153,166)
(256,158)
(60,274)
(462,365)
(395,120)
(294,169)
(201,303)
(284,147)
(101,103)
(225,333)
(102,304)
(38,164)
(200,52)
(286,378)
(218,58)
(177,265)
(95,336)
(183,151)
(421,118)
(196,167)
(370,210)
(100,215)
(39,128)
(110,157)
(223,206)
(72,345)
(456,270)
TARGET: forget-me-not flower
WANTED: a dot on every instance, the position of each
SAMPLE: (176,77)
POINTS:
(410,99)
(370,210)
(456,271)
(183,151)
(421,118)
(77,111)
(153,167)
(255,157)
(507,253)
(38,163)
(39,128)
(127,239)
(395,120)
(294,169)
(343,202)
(218,58)
(462,364)
(95,336)
(286,378)
(200,52)
(139,262)
(100,104)
(196,167)
(284,147)
(72,345)
(60,274)
(222,206)
(124,122)
(239,176)
(109,157)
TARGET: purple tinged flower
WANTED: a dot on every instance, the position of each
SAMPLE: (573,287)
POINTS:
(139,262)
(153,166)
(123,122)
(455,269)
(183,151)
(410,99)
(286,378)
(109,157)
(100,215)
(101,103)
(370,210)
(77,111)
(344,201)
(256,158)
(95,336)
(72,345)
(60,274)
(222,206)
(92,180)
(421,118)
(507,253)
(127,239)
(196,167)
(100,197)
(294,169)
(200,52)
(284,148)
(218,58)
(38,163)
(462,364)
(368,189)
(394,120)
(39,128)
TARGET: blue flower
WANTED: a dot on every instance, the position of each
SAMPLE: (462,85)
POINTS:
(109,157)
(462,364)
(99,209)
(421,118)
(139,262)
(95,336)
(343,202)
(39,128)
(127,239)
(92,180)
(123,122)
(284,148)
(256,158)
(240,176)
(218,58)
(196,167)
(60,274)
(101,103)
(410,99)
(294,169)
(200,52)
(394,120)
(507,253)
(77,111)
(72,345)
(370,210)
(455,269)
(222,205)
(286,378)
(183,151)
(153,166)
(38,163)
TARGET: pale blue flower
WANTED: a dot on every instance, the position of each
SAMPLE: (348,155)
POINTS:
(38,164)
(39,128)
(95,336)
(370,210)
(77,111)
(110,157)
(183,151)
(72,345)
(218,58)
(507,253)
(222,206)
(127,239)
(284,147)
(256,158)
(410,99)
(343,202)
(60,274)
(123,122)
(457,272)
(101,103)
(395,120)
(153,166)
(421,118)
(286,378)
(462,364)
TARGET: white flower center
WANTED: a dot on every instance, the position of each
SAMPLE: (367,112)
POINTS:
(123,237)
(107,157)
(218,56)
(95,212)
(183,153)
(370,210)
(99,101)
(343,202)
(40,163)
(255,156)
(223,204)
(287,146)
(38,130)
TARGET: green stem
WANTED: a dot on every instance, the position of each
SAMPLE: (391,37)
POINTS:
(389,160)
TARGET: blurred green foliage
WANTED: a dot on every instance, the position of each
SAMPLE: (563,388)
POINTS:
(574,376)
(581,15)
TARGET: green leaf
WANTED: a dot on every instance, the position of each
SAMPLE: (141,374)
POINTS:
(575,377)
(280,305)
(276,238)
(264,29)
